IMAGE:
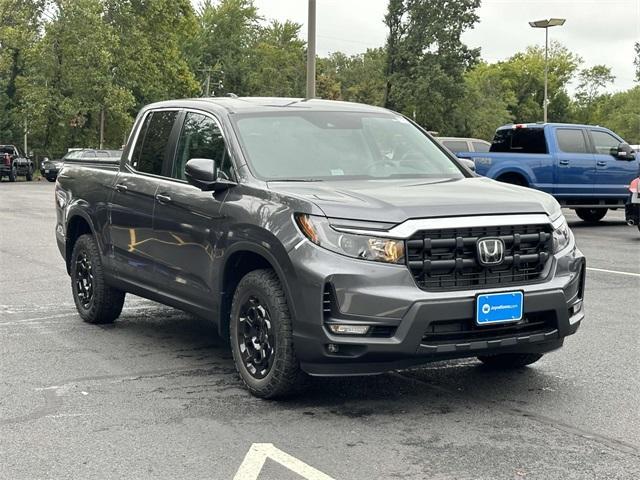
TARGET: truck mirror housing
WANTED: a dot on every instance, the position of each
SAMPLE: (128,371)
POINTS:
(203,173)
(624,152)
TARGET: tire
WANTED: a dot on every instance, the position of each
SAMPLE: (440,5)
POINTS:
(591,215)
(259,310)
(508,361)
(13,174)
(29,175)
(513,179)
(96,302)
(50,179)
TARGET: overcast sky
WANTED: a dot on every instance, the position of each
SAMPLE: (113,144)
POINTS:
(600,31)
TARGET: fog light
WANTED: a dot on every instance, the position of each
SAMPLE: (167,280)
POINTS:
(333,348)
(576,307)
(349,329)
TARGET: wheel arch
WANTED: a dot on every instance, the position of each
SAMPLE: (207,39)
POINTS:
(78,224)
(514,174)
(240,259)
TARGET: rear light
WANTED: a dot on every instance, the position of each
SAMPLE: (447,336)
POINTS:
(635,186)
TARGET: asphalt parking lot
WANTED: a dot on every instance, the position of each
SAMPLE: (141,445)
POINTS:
(156,394)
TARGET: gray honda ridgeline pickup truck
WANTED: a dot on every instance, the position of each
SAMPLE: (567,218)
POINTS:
(320,237)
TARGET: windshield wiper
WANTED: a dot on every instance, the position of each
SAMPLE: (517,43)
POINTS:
(296,180)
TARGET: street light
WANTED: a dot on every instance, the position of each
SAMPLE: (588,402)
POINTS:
(546,24)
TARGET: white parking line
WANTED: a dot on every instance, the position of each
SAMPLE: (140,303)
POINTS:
(258,454)
(630,274)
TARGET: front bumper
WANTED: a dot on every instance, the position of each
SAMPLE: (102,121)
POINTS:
(407,322)
(632,209)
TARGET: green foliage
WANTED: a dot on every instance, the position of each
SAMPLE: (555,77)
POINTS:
(65,64)
(636,61)
(426,60)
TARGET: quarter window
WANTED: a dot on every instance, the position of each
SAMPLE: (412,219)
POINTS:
(571,140)
(604,142)
(151,148)
(480,147)
(201,137)
(456,145)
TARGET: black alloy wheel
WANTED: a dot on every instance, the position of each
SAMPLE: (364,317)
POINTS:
(84,280)
(255,337)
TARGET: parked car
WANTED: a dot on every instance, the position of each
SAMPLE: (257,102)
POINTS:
(320,237)
(457,145)
(50,169)
(586,168)
(632,209)
(14,164)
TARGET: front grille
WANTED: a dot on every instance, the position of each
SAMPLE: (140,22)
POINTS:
(447,259)
(466,331)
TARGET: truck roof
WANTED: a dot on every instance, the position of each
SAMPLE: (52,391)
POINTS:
(263,104)
(549,124)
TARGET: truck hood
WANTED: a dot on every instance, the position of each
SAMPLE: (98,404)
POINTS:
(394,201)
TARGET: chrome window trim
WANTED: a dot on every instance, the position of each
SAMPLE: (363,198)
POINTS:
(408,228)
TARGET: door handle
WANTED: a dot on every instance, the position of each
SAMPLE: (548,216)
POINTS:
(601,163)
(121,187)
(564,162)
(162,199)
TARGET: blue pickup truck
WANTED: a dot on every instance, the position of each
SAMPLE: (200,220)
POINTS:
(586,168)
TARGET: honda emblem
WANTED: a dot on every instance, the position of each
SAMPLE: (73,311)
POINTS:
(490,251)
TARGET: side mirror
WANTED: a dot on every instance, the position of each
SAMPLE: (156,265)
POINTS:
(203,173)
(624,152)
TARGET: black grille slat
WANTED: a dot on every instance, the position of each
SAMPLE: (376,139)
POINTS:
(446,259)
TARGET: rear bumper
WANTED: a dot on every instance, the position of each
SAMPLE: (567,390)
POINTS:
(409,316)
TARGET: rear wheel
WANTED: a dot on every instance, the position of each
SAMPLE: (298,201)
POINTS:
(95,301)
(591,215)
(261,336)
(510,360)
(29,175)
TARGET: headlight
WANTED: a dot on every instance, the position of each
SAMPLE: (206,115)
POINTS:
(319,231)
(561,234)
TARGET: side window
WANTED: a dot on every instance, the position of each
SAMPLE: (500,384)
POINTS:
(151,146)
(201,138)
(480,147)
(604,142)
(571,140)
(519,140)
(89,154)
(456,145)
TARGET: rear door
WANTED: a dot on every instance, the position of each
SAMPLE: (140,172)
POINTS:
(575,165)
(613,174)
(131,228)
(187,221)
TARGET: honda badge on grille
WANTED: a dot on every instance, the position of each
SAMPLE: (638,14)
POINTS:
(490,251)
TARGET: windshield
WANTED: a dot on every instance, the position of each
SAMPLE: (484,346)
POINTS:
(339,145)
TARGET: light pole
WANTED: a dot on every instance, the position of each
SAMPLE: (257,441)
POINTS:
(546,24)
(311,51)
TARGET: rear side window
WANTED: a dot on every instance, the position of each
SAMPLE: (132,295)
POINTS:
(480,147)
(519,140)
(151,148)
(571,140)
(456,145)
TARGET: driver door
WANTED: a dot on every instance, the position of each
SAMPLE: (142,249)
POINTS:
(613,175)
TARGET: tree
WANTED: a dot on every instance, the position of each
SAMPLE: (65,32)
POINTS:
(21,27)
(227,30)
(485,104)
(588,95)
(277,65)
(426,58)
(524,73)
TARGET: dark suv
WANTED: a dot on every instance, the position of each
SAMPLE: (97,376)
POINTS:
(321,237)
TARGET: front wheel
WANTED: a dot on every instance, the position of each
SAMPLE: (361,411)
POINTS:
(591,215)
(29,175)
(509,361)
(13,174)
(95,301)
(261,336)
